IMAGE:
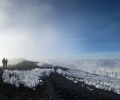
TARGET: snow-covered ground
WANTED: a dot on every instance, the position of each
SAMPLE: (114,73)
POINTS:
(98,81)
(32,78)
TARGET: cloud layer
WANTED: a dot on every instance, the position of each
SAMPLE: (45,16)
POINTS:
(85,64)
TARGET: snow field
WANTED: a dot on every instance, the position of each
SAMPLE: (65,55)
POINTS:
(30,78)
(99,81)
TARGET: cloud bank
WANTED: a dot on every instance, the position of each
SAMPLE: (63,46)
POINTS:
(85,64)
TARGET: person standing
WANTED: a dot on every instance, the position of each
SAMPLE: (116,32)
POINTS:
(3,61)
(6,61)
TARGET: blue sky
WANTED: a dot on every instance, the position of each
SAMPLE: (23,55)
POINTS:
(35,29)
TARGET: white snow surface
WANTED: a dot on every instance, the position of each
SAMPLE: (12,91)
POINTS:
(99,81)
(29,78)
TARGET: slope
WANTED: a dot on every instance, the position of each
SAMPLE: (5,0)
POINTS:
(56,86)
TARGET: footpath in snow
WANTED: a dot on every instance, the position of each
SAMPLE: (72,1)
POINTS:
(32,78)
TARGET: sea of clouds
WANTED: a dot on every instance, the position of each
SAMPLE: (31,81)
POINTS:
(84,64)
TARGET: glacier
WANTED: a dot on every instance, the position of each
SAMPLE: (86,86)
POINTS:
(110,72)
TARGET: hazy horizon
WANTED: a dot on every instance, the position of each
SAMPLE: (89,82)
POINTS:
(78,64)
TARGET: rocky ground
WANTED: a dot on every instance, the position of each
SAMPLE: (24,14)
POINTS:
(55,87)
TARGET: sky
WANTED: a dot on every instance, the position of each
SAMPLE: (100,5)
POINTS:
(77,29)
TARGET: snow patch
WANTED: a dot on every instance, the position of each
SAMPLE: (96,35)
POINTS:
(43,64)
(29,78)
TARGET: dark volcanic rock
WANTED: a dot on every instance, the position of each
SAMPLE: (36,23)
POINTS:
(68,90)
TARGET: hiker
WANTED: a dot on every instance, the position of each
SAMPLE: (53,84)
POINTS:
(3,61)
(6,61)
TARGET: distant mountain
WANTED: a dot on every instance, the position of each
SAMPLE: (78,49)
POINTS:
(24,65)
(15,61)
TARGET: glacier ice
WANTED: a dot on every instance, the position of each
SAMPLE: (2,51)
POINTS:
(111,72)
